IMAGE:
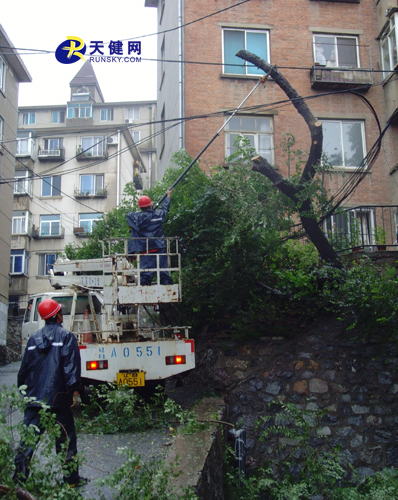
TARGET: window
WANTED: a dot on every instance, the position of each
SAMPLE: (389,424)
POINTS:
(389,45)
(87,221)
(92,184)
(254,41)
(162,130)
(136,135)
(46,261)
(106,115)
(51,186)
(133,113)
(336,50)
(19,260)
(344,142)
(20,222)
(22,183)
(58,117)
(25,144)
(93,146)
(52,144)
(259,131)
(2,74)
(351,228)
(29,118)
(50,225)
(80,110)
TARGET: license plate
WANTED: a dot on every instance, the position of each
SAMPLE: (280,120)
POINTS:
(133,379)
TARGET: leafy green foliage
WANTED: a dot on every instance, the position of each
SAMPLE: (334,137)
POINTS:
(114,409)
(136,480)
(321,473)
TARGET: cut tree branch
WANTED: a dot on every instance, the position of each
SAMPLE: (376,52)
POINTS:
(261,165)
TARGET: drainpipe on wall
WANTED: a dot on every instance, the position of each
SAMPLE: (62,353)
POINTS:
(150,149)
(118,170)
(180,83)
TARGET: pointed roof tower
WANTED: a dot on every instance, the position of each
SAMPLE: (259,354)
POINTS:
(85,80)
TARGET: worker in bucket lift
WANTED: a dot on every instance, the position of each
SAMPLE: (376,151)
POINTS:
(50,370)
(149,224)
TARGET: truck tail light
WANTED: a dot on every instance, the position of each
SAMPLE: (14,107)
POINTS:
(97,365)
(176,360)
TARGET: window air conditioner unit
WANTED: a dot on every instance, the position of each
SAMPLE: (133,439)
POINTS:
(112,140)
(128,120)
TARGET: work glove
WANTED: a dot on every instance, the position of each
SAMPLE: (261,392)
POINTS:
(77,402)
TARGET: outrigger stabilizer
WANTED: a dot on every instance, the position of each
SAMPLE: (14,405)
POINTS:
(263,80)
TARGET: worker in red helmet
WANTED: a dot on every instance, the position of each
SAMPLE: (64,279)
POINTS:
(147,238)
(50,370)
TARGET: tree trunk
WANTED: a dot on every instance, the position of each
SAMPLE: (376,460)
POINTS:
(259,164)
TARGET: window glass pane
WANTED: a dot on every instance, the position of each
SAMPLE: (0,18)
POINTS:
(103,115)
(86,183)
(263,124)
(233,42)
(55,117)
(248,123)
(352,142)
(251,139)
(18,264)
(57,185)
(332,142)
(99,183)
(46,186)
(257,44)
(323,47)
(264,144)
(234,123)
(393,39)
(347,52)
(231,138)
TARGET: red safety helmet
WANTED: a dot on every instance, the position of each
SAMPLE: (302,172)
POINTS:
(144,201)
(48,308)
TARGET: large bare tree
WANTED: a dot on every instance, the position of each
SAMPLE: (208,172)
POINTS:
(295,192)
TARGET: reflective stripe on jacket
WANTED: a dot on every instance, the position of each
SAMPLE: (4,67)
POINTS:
(51,366)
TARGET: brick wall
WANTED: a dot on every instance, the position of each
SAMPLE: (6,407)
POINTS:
(290,47)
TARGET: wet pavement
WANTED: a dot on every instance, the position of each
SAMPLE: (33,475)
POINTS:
(100,452)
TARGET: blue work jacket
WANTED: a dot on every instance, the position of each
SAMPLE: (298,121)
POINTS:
(51,366)
(148,224)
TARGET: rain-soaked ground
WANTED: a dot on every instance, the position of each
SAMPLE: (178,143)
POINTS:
(101,452)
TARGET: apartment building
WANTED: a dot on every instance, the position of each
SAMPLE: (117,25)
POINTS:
(326,49)
(72,162)
(12,73)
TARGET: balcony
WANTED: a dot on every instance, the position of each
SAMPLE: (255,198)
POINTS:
(25,148)
(54,232)
(94,153)
(79,231)
(99,193)
(51,154)
(340,78)
(23,187)
(18,284)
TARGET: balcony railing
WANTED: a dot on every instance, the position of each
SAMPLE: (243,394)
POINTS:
(322,77)
(23,186)
(53,232)
(98,193)
(91,154)
(51,154)
(370,228)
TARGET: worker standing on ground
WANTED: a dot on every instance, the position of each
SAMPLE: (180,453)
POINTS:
(149,224)
(51,371)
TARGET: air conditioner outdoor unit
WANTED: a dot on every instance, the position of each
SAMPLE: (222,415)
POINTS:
(112,140)
(128,120)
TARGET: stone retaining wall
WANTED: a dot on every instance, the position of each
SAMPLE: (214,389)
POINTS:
(200,454)
(355,381)
(12,350)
